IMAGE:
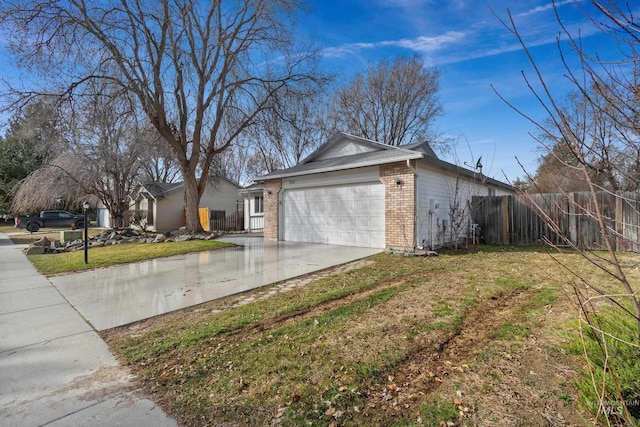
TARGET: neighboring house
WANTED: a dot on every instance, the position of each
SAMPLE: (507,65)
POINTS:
(163,203)
(357,192)
(253,208)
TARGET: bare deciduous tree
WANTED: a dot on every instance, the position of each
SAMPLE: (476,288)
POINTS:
(393,102)
(201,71)
(159,164)
(599,138)
(294,125)
(605,150)
(102,157)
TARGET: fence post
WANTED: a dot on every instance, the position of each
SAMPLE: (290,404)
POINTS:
(619,220)
(505,220)
(573,220)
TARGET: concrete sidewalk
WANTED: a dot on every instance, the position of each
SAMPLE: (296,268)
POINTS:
(54,368)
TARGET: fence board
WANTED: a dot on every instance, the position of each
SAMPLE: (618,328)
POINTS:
(561,219)
(233,222)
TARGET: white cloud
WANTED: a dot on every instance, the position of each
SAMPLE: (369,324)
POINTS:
(422,44)
(548,6)
(427,44)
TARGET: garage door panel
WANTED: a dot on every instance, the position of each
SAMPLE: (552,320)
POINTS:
(377,223)
(333,206)
(347,221)
(344,215)
(376,205)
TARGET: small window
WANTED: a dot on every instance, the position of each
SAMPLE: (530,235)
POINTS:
(258,204)
(492,192)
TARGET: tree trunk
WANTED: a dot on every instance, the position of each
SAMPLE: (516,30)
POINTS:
(191,203)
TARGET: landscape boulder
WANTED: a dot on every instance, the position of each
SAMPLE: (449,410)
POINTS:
(34,250)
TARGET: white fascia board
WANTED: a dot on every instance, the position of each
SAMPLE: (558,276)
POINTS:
(343,167)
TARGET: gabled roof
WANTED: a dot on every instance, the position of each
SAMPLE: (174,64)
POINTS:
(256,188)
(158,190)
(371,153)
(363,152)
(423,147)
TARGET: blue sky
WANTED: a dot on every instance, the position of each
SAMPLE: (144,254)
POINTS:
(473,50)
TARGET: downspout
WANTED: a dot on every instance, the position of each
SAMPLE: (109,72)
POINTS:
(411,168)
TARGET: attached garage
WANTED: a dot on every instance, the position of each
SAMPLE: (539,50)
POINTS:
(356,192)
(350,215)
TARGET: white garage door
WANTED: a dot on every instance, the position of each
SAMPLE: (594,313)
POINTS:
(351,215)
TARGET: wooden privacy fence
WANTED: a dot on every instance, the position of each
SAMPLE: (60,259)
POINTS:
(212,220)
(562,219)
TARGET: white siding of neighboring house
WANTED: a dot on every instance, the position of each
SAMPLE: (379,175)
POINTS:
(436,195)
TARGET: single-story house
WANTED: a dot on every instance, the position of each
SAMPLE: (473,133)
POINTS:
(253,207)
(163,203)
(357,192)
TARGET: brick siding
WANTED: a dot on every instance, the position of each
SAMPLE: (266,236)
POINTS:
(271,208)
(399,205)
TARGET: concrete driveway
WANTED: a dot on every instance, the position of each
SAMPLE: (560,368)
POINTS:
(118,295)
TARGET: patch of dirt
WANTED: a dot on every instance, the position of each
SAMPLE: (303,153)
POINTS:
(490,382)
(106,382)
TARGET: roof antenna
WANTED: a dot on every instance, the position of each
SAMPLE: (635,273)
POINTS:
(478,165)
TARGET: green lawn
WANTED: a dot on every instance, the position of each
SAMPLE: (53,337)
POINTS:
(50,264)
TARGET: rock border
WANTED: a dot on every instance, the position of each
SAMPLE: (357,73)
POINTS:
(116,237)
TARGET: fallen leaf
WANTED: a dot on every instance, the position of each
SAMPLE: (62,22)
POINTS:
(330,411)
(458,402)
